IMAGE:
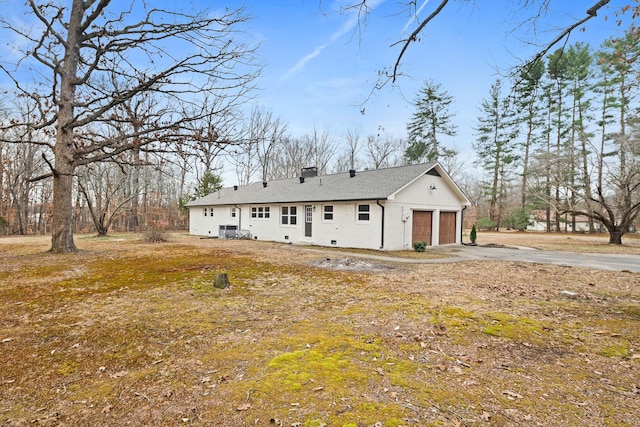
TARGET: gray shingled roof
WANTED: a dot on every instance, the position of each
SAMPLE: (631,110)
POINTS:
(365,185)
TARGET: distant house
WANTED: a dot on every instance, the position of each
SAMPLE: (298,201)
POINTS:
(387,209)
(538,222)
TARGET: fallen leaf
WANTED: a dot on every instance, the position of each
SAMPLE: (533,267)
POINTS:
(511,395)
(318,388)
(7,340)
(460,362)
(244,407)
(485,416)
(118,374)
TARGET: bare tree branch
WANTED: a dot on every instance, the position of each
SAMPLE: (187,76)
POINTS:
(414,36)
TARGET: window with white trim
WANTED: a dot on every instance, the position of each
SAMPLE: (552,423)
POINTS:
(260,212)
(289,215)
(233,212)
(327,212)
(205,211)
(363,212)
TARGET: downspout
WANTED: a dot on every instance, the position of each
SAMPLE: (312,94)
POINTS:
(462,223)
(382,228)
(239,217)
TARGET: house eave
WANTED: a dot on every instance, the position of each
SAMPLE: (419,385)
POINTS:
(289,202)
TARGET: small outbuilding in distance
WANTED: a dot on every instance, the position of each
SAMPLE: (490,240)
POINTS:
(382,209)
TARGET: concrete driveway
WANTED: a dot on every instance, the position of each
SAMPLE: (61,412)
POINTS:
(460,253)
(615,262)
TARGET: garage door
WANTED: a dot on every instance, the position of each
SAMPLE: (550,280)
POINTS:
(421,227)
(447,227)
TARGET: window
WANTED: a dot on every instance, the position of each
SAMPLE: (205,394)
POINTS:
(233,212)
(261,212)
(327,213)
(208,211)
(205,211)
(289,215)
(363,212)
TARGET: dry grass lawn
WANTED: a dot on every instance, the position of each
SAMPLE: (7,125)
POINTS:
(130,333)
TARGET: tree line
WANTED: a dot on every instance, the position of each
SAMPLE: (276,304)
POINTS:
(562,137)
(130,104)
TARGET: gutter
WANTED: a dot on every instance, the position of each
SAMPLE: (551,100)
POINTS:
(464,208)
(382,228)
(239,217)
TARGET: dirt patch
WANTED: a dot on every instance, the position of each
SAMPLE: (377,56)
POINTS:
(350,264)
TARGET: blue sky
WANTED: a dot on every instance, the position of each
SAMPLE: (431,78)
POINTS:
(320,65)
(321,68)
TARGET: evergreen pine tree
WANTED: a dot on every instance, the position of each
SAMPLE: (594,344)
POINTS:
(431,118)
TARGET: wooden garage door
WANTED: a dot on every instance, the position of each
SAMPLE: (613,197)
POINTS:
(421,227)
(447,227)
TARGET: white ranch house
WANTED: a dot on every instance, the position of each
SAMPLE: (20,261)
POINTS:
(386,209)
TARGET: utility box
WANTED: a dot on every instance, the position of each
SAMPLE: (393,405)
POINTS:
(227,231)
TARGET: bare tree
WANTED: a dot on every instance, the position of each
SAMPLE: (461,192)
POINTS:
(215,132)
(258,147)
(81,48)
(616,204)
(322,148)
(453,164)
(539,9)
(294,154)
(22,162)
(380,151)
(349,157)
(102,187)
(265,134)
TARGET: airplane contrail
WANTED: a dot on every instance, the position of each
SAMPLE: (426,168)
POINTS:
(415,15)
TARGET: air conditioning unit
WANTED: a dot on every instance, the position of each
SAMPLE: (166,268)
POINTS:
(227,231)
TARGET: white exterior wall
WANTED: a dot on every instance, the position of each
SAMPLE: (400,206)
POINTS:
(201,225)
(420,197)
(344,230)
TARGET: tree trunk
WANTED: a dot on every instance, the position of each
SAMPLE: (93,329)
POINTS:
(615,237)
(62,209)
(62,215)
